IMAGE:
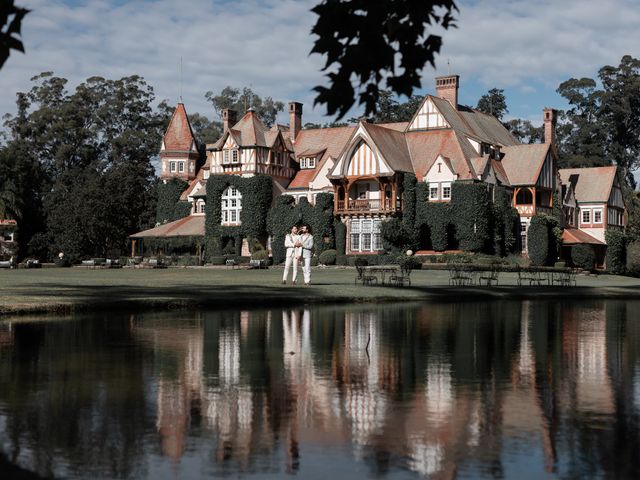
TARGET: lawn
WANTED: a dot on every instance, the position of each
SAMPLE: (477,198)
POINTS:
(62,290)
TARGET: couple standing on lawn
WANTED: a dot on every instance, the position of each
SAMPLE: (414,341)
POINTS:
(299,245)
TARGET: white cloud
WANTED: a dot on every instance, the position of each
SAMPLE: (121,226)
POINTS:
(528,46)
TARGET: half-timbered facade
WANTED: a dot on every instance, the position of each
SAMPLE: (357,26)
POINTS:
(363,164)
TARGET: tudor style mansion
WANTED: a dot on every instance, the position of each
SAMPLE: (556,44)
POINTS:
(362,165)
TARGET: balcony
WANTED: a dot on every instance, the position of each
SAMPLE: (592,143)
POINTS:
(366,206)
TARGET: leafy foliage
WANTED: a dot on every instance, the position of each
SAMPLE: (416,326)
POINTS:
(287,213)
(494,103)
(633,259)
(583,256)
(340,232)
(396,30)
(11,18)
(168,207)
(241,100)
(388,109)
(471,210)
(524,131)
(87,156)
(328,257)
(616,251)
(256,199)
(504,219)
(538,240)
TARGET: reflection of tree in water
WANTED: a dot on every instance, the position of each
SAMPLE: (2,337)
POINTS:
(69,388)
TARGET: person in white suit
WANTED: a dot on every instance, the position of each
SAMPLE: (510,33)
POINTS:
(306,241)
(294,250)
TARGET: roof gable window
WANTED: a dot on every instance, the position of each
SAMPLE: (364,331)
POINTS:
(308,162)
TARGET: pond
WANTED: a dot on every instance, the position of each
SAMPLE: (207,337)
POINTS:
(440,390)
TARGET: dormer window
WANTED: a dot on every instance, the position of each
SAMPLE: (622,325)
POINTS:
(308,162)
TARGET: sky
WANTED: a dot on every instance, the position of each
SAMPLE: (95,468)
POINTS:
(526,47)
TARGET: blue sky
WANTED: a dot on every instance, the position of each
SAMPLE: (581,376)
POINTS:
(525,47)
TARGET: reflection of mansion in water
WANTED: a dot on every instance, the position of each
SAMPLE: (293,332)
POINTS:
(259,383)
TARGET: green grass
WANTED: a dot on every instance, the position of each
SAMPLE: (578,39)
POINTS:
(63,290)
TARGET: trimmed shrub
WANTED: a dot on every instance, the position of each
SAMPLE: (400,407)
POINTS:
(260,255)
(471,208)
(583,256)
(341,260)
(408,263)
(538,240)
(341,237)
(328,257)
(633,259)
(217,260)
(616,249)
(314,261)
(436,217)
(395,237)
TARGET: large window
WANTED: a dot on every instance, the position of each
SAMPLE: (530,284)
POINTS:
(230,156)
(366,235)
(231,206)
(586,216)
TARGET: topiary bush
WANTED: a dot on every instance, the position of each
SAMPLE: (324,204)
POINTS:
(471,208)
(341,237)
(616,250)
(260,255)
(328,257)
(633,259)
(538,240)
(583,256)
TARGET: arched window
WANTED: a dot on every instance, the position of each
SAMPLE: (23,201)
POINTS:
(524,197)
(231,206)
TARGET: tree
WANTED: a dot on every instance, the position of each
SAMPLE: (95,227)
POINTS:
(494,103)
(524,131)
(367,42)
(389,110)
(90,151)
(10,29)
(582,142)
(241,100)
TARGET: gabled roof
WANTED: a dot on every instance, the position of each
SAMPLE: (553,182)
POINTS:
(392,145)
(590,184)
(473,123)
(501,175)
(179,135)
(425,146)
(523,163)
(190,226)
(249,131)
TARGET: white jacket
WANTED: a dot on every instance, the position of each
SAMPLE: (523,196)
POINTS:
(290,243)
(307,245)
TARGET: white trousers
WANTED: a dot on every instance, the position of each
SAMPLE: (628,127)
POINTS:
(290,260)
(306,269)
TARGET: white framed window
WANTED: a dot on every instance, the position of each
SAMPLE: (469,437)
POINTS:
(225,156)
(200,206)
(524,227)
(433,193)
(586,216)
(231,206)
(597,215)
(366,235)
(172,166)
(311,162)
(235,156)
(181,167)
(446,192)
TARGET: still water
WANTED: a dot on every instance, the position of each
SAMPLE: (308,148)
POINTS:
(468,390)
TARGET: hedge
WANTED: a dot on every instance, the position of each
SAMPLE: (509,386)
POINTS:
(340,233)
(287,213)
(538,240)
(583,256)
(616,251)
(408,192)
(169,206)
(256,194)
(328,257)
(544,241)
(633,259)
(504,222)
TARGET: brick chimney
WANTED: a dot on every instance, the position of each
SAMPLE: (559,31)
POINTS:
(447,88)
(229,119)
(295,120)
(550,117)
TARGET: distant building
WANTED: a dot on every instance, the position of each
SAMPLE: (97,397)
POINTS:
(362,165)
(8,239)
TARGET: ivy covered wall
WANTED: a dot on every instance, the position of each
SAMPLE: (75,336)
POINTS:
(169,206)
(257,193)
